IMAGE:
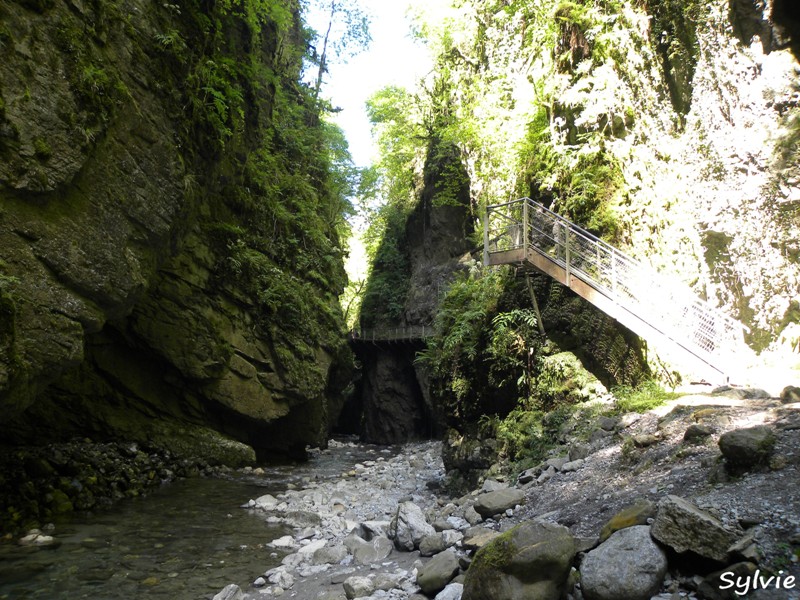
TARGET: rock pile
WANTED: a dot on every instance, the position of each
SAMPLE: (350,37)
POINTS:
(674,532)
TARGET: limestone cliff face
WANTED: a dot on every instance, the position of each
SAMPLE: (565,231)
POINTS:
(141,294)
(394,393)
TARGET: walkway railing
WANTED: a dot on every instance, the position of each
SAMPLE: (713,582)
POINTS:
(524,231)
(392,334)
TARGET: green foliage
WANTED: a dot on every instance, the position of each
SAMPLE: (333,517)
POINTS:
(42,149)
(479,349)
(216,98)
(585,185)
(641,398)
(96,83)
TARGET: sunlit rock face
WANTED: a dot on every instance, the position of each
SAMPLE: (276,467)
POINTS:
(119,316)
(722,192)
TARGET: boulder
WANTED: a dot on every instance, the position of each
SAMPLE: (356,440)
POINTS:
(636,514)
(532,560)
(409,526)
(493,503)
(629,565)
(685,528)
(790,394)
(330,555)
(438,572)
(358,587)
(696,433)
(366,553)
(432,544)
(745,448)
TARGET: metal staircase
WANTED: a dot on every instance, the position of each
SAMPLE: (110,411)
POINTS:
(658,308)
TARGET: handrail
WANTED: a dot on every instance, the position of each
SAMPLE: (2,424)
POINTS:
(391,334)
(664,303)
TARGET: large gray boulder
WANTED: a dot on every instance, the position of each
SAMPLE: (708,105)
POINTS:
(745,448)
(685,528)
(438,572)
(532,560)
(629,565)
(409,526)
(493,503)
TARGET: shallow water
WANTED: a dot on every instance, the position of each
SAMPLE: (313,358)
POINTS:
(185,541)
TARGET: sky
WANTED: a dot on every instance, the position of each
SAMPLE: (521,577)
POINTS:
(393,58)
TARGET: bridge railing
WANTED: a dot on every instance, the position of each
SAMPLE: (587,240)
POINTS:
(665,303)
(392,334)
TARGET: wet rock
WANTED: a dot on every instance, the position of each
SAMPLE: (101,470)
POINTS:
(409,526)
(636,514)
(531,560)
(36,538)
(358,587)
(790,394)
(494,503)
(284,542)
(684,527)
(230,592)
(627,566)
(746,448)
(438,572)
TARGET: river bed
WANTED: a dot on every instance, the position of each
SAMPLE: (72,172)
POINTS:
(184,541)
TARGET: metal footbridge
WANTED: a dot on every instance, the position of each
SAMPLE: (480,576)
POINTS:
(660,309)
(407,333)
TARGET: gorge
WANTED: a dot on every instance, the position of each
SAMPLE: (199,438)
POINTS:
(173,228)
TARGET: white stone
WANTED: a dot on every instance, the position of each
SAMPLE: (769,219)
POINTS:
(286,541)
(452,591)
(312,547)
(266,502)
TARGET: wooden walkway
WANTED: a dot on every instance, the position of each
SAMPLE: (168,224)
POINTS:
(661,310)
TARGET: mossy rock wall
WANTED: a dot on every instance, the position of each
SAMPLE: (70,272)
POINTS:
(127,132)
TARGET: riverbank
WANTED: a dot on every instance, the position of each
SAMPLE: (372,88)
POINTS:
(385,529)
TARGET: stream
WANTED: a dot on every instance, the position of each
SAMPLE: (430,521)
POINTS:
(185,541)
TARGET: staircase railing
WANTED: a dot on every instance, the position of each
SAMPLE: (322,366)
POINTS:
(663,302)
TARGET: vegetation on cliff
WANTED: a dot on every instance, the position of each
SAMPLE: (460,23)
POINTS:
(174,202)
(634,120)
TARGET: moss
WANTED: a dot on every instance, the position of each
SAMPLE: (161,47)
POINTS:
(42,149)
(496,554)
(5,35)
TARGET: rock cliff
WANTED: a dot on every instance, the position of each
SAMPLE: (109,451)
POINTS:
(160,166)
